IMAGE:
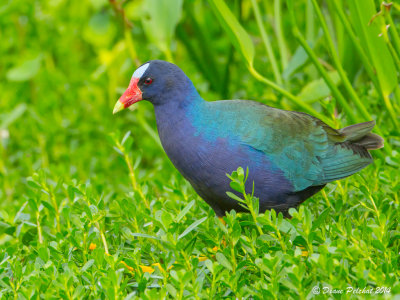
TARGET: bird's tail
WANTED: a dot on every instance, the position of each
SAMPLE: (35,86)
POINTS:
(351,154)
(360,134)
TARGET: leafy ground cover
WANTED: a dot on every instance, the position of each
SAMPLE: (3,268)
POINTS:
(87,198)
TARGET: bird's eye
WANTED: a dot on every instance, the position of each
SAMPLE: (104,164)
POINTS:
(148,81)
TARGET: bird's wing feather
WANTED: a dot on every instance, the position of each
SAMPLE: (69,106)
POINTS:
(295,142)
(307,150)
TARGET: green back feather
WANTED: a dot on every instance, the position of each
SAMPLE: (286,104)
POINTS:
(308,151)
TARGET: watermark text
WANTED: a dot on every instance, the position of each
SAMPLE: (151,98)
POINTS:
(316,290)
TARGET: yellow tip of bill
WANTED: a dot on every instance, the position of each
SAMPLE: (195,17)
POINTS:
(118,107)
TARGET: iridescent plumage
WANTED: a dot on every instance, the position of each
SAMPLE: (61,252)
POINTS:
(290,155)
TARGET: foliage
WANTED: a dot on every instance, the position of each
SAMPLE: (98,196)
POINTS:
(92,208)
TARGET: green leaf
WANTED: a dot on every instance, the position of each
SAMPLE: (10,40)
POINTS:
(209,265)
(378,245)
(321,218)
(13,115)
(223,261)
(361,13)
(143,235)
(171,290)
(49,206)
(184,211)
(159,21)
(33,184)
(29,236)
(238,36)
(25,70)
(126,136)
(32,204)
(236,186)
(6,228)
(233,196)
(318,89)
(191,227)
(88,264)
(44,253)
(100,30)
(298,59)
(88,212)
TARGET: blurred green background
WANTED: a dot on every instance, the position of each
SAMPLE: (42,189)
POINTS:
(65,166)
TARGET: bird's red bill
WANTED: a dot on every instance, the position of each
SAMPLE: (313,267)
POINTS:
(132,95)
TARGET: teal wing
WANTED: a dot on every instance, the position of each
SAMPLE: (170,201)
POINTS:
(308,151)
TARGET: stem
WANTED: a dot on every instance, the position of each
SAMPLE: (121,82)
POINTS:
(54,201)
(131,172)
(280,37)
(267,43)
(212,289)
(397,95)
(39,228)
(249,203)
(253,215)
(306,107)
(338,64)
(393,30)
(280,239)
(309,22)
(363,56)
(84,247)
(133,179)
(200,53)
(234,262)
(103,238)
(391,110)
(394,54)
(375,209)
(335,91)
(189,268)
(68,290)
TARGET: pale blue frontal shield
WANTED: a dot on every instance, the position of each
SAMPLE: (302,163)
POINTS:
(140,71)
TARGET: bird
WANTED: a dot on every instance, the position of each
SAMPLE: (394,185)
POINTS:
(290,155)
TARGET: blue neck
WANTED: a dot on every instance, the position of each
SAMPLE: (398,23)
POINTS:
(175,109)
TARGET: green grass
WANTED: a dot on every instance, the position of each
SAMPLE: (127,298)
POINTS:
(77,182)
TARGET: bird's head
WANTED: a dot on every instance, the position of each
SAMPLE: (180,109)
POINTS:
(156,81)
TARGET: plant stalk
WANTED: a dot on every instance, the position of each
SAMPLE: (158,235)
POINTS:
(266,42)
(306,107)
